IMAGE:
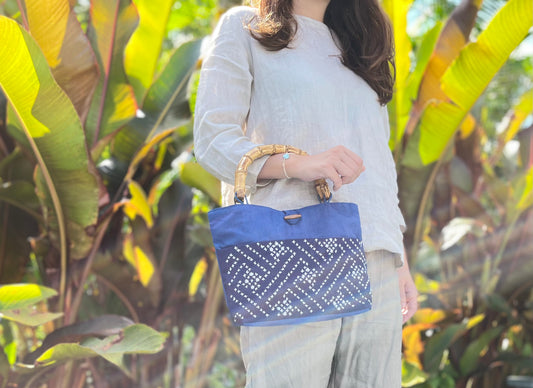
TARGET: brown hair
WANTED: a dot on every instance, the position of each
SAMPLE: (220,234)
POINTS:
(364,32)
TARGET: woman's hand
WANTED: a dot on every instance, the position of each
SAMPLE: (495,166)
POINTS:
(408,292)
(338,164)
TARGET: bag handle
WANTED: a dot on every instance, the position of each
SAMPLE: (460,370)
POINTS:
(321,186)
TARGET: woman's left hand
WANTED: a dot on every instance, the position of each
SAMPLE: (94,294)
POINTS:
(408,292)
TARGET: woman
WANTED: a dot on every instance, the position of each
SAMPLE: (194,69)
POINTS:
(314,74)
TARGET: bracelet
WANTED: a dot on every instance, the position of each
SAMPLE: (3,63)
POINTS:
(285,156)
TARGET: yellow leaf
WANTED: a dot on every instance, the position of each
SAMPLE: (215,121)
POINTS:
(48,23)
(18,77)
(412,341)
(197,275)
(467,126)
(138,204)
(429,315)
(425,285)
(401,103)
(139,260)
(526,198)
(141,154)
(475,320)
(413,348)
(520,112)
(144,47)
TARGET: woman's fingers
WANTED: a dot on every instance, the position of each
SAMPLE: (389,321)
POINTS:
(338,164)
(348,169)
(351,156)
(335,177)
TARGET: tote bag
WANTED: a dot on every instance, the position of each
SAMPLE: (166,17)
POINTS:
(291,266)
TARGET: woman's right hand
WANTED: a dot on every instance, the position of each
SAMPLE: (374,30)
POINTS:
(338,164)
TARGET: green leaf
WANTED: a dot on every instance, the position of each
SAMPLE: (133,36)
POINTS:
(144,47)
(113,104)
(526,194)
(412,375)
(57,140)
(479,61)
(437,344)
(498,303)
(194,175)
(4,368)
(469,75)
(165,106)
(29,316)
(9,342)
(471,356)
(14,242)
(102,326)
(16,296)
(134,339)
(22,195)
(55,27)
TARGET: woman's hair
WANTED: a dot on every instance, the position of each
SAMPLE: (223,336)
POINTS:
(364,32)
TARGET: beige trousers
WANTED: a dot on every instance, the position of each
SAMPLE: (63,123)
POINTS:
(357,351)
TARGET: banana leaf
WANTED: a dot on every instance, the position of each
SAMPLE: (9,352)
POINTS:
(144,47)
(55,27)
(111,24)
(68,189)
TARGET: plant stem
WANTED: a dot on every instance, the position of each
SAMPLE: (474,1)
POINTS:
(71,314)
(121,296)
(58,211)
(424,202)
(23,15)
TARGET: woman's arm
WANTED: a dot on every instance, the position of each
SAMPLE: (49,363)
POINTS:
(223,100)
(338,164)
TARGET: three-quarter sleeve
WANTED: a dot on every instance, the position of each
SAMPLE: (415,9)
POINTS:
(223,100)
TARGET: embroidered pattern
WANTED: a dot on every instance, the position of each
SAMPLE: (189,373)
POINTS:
(295,279)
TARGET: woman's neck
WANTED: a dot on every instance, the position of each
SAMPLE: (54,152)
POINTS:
(314,9)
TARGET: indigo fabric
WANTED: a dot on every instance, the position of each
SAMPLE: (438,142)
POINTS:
(277,271)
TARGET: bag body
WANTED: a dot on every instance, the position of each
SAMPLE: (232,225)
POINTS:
(288,267)
(292,266)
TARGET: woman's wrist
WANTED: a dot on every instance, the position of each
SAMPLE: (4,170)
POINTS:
(284,159)
(291,165)
(274,167)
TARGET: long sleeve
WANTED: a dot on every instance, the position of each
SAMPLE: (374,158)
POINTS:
(223,101)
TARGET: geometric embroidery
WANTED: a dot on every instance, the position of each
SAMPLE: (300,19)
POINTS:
(294,281)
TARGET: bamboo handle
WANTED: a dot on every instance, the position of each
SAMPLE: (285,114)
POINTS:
(242,169)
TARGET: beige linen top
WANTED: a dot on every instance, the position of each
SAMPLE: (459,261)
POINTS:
(302,96)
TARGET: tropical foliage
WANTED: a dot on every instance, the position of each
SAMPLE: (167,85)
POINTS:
(466,197)
(104,238)
(94,107)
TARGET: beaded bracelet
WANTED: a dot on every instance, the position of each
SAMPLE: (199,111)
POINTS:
(285,156)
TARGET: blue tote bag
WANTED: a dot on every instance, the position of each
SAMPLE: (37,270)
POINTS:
(292,266)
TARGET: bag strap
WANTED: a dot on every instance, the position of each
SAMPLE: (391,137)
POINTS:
(321,186)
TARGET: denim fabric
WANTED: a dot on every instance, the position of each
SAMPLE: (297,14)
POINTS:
(358,351)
